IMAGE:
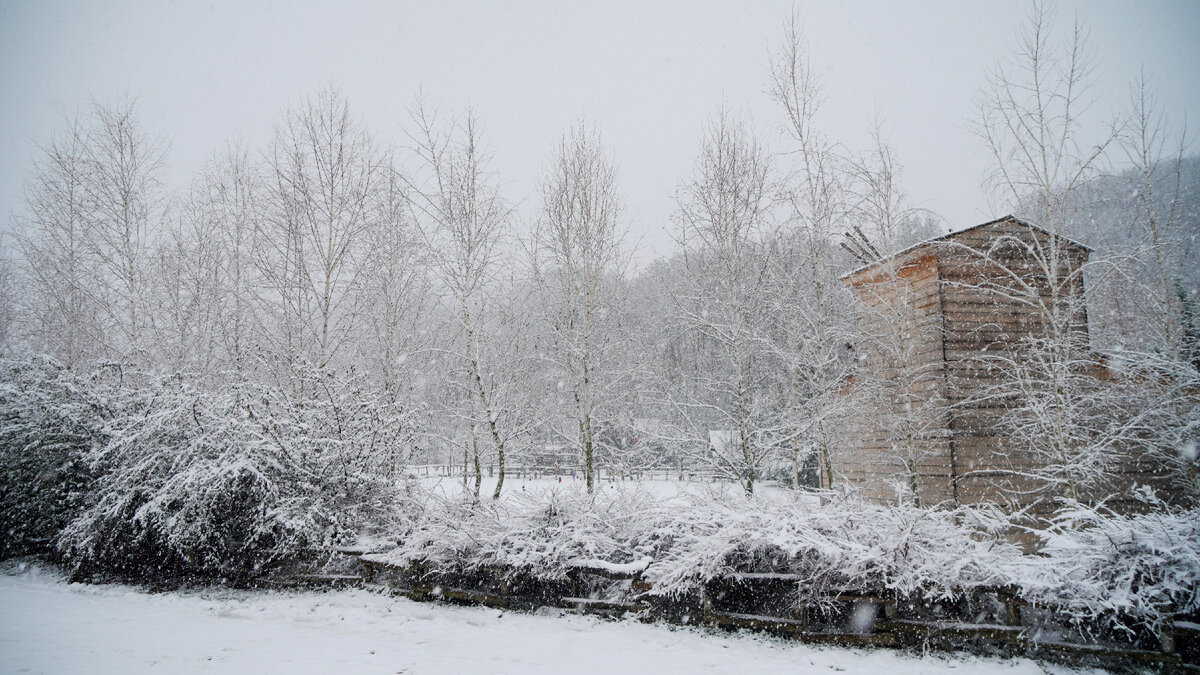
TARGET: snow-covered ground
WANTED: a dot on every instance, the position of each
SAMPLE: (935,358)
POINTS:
(50,626)
(662,489)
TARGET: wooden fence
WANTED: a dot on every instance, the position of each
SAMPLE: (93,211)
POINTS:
(994,621)
(527,472)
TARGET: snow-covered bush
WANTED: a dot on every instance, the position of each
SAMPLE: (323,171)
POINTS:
(50,419)
(125,471)
(539,536)
(231,484)
(355,438)
(545,537)
(1124,570)
(188,482)
(1095,569)
(840,543)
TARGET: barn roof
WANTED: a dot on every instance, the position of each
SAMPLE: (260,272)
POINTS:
(944,237)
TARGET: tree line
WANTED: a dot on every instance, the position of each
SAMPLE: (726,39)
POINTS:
(396,288)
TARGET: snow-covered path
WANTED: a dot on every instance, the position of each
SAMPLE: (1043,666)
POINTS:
(50,626)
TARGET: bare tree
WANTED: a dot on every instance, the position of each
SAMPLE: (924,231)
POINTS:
(206,298)
(187,299)
(396,290)
(124,206)
(722,226)
(325,176)
(1030,121)
(10,332)
(230,200)
(816,193)
(463,219)
(1155,397)
(1161,233)
(93,208)
(62,304)
(899,395)
(576,258)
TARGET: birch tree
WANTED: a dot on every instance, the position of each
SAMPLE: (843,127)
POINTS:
(207,298)
(1158,395)
(815,193)
(1159,230)
(10,289)
(463,218)
(124,205)
(230,201)
(721,224)
(900,394)
(61,305)
(577,258)
(396,289)
(1030,121)
(93,209)
(325,174)
(187,303)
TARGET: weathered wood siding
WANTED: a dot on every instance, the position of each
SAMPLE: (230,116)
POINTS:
(941,321)
(901,444)
(1001,283)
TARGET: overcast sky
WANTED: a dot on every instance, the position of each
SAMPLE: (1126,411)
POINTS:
(646,73)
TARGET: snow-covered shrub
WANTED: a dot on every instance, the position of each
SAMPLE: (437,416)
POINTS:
(354,438)
(539,536)
(1096,568)
(50,419)
(545,537)
(840,543)
(186,483)
(1125,570)
(230,484)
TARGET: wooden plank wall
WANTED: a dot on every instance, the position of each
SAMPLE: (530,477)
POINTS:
(902,430)
(997,291)
(942,325)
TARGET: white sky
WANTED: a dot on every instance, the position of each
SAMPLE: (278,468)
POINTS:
(647,74)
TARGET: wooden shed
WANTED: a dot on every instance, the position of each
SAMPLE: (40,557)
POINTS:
(929,316)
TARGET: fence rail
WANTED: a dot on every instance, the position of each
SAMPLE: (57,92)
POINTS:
(984,620)
(524,472)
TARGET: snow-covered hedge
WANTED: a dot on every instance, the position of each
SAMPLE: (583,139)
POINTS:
(1095,568)
(841,542)
(50,420)
(228,484)
(149,475)
(1099,565)
(539,536)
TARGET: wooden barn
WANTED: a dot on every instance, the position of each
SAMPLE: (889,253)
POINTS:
(942,321)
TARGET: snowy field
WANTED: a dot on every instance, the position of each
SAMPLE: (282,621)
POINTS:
(50,626)
(662,489)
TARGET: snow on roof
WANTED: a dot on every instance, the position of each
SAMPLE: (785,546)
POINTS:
(927,242)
